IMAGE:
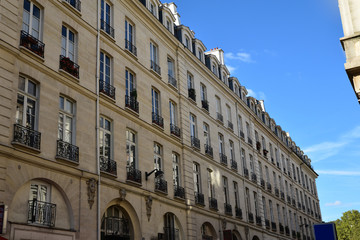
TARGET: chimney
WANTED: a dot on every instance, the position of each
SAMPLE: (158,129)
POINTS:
(262,105)
(173,8)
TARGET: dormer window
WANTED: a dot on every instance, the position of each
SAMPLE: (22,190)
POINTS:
(214,69)
(200,54)
(168,25)
(187,42)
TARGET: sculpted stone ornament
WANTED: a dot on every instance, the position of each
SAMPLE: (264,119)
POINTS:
(148,200)
(223,223)
(91,189)
(122,193)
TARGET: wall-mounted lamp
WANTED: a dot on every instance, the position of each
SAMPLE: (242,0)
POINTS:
(158,173)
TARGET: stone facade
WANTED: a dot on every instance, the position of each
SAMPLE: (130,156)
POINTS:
(85,116)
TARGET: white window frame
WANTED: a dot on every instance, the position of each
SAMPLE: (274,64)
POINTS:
(193,127)
(173,112)
(176,169)
(131,147)
(30,23)
(155,99)
(158,164)
(103,133)
(67,43)
(105,63)
(22,116)
(197,178)
(65,113)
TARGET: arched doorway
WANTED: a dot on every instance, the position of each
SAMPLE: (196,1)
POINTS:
(208,232)
(255,238)
(171,231)
(236,235)
(116,224)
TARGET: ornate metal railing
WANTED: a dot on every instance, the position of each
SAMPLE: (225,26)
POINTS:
(258,220)
(213,203)
(223,158)
(161,185)
(75,3)
(116,228)
(233,164)
(287,231)
(293,234)
(265,152)
(67,151)
(281,228)
(262,183)
(219,117)
(31,43)
(288,198)
(205,105)
(258,146)
(107,28)
(131,47)
(251,217)
(208,150)
(192,94)
(157,119)
(277,193)
(253,177)
(199,198)
(175,130)
(27,136)
(268,186)
(242,134)
(282,195)
(155,67)
(267,223)
(246,172)
(69,66)
(273,226)
(43,213)
(231,126)
(171,233)
(131,103)
(299,205)
(107,165)
(293,202)
(179,192)
(195,142)
(172,80)
(107,89)
(250,141)
(228,209)
(238,212)
(133,174)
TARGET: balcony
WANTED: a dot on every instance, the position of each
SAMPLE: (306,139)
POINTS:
(278,165)
(199,199)
(251,217)
(205,105)
(293,234)
(115,228)
(179,192)
(238,213)
(107,28)
(281,228)
(233,164)
(161,185)
(299,205)
(298,235)
(108,166)
(265,152)
(219,117)
(131,103)
(268,187)
(288,198)
(242,135)
(157,120)
(262,183)
(26,137)
(174,130)
(228,209)
(230,126)
(131,47)
(34,45)
(254,177)
(206,237)
(293,202)
(69,66)
(273,227)
(250,141)
(258,220)
(246,173)
(133,175)
(170,233)
(75,4)
(107,89)
(282,195)
(155,67)
(195,142)
(42,213)
(258,146)
(67,151)
(287,231)
(213,204)
(267,223)
(277,192)
(272,161)
(303,207)
(223,159)
(172,81)
(192,94)
(208,150)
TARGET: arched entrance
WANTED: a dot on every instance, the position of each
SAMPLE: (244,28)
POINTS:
(255,238)
(236,235)
(116,224)
(208,232)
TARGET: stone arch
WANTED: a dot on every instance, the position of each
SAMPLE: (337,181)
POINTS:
(173,231)
(255,238)
(236,235)
(208,231)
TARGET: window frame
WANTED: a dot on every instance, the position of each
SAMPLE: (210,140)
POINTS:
(131,143)
(26,97)
(65,50)
(67,114)
(30,23)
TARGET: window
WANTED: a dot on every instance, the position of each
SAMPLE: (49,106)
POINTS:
(131,149)
(200,54)
(197,181)
(264,207)
(187,42)
(232,155)
(154,58)
(218,104)
(256,204)
(176,169)
(243,159)
(105,138)
(168,25)
(190,81)
(130,84)
(42,211)
(130,36)
(267,174)
(275,181)
(193,130)
(221,144)
(171,72)
(240,126)
(152,8)
(214,69)
(247,197)
(155,96)
(279,213)
(157,156)
(236,194)
(106,18)
(206,134)
(173,117)
(26,107)
(68,43)
(31,19)
(66,118)
(248,129)
(203,92)
(252,166)
(271,211)
(211,187)
(228,111)
(226,190)
(105,69)
(260,170)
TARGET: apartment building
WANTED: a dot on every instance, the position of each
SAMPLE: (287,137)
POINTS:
(117,123)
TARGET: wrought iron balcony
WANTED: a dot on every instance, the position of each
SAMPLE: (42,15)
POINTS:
(288,198)
(131,47)
(287,231)
(258,220)
(205,105)
(206,237)
(213,204)
(246,173)
(262,183)
(278,164)
(273,227)
(192,94)
(133,175)
(108,166)
(258,146)
(234,165)
(26,136)
(242,134)
(69,66)
(268,186)
(179,192)
(267,223)
(303,207)
(208,150)
(174,130)
(157,119)
(116,228)
(161,185)
(277,192)
(251,217)
(228,209)
(43,213)
(238,213)
(265,152)
(75,4)
(231,126)
(131,103)
(272,161)
(220,117)
(107,28)
(299,205)
(155,67)
(298,235)
(250,141)
(282,195)
(107,89)
(199,198)
(281,228)
(293,234)
(171,233)
(254,177)
(195,142)
(67,151)
(293,202)
(172,81)
(223,158)
(31,43)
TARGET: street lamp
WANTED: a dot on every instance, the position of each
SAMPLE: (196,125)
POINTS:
(158,173)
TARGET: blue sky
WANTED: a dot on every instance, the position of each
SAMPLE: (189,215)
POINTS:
(289,54)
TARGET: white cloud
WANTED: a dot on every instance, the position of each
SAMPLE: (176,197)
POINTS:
(231,69)
(258,95)
(241,56)
(336,203)
(338,172)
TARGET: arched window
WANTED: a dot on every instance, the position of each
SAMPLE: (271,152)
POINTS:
(116,223)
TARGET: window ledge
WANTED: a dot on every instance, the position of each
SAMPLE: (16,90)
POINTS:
(173,87)
(63,72)
(161,192)
(132,111)
(174,136)
(219,121)
(155,73)
(131,53)
(66,160)
(205,111)
(106,97)
(71,8)
(31,53)
(108,36)
(158,127)
(26,147)
(179,198)
(192,100)
(134,183)
(108,174)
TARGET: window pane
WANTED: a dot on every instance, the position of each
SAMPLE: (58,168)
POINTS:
(31,88)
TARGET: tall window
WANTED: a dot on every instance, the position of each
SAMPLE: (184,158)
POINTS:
(172,107)
(240,126)
(68,43)
(252,167)
(40,191)
(105,68)
(31,19)
(260,170)
(221,144)
(203,92)
(155,96)
(243,159)
(187,42)
(248,130)
(176,169)
(154,58)
(247,197)
(171,68)
(206,134)
(200,54)
(279,213)
(226,190)
(193,130)
(131,149)
(275,180)
(231,145)
(106,17)
(105,138)
(130,84)
(228,112)
(157,156)
(66,117)
(271,211)
(129,34)
(211,188)
(26,107)
(264,207)
(256,204)
(190,81)
(236,195)
(218,104)
(267,174)
(197,181)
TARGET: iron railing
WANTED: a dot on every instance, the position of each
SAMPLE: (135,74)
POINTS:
(199,198)
(157,119)
(175,130)
(246,172)
(242,134)
(161,185)
(67,151)
(258,220)
(107,89)
(233,165)
(107,28)
(133,174)
(171,233)
(32,43)
(267,223)
(268,186)
(195,142)
(265,152)
(27,136)
(205,105)
(223,158)
(192,94)
(250,141)
(231,126)
(213,203)
(179,192)
(287,231)
(288,198)
(115,228)
(220,117)
(228,209)
(238,212)
(75,4)
(277,192)
(69,66)
(107,165)
(131,103)
(273,226)
(43,213)
(251,217)
(172,81)
(131,47)
(282,195)
(208,150)
(258,146)
(155,67)
(254,177)
(281,228)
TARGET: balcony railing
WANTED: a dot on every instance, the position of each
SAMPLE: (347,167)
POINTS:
(75,4)
(107,89)
(69,66)
(262,183)
(199,198)
(288,198)
(281,228)
(179,192)
(250,141)
(228,209)
(293,234)
(299,205)
(223,158)
(242,135)
(273,226)
(107,28)
(205,105)
(287,231)
(192,94)
(208,150)
(171,233)
(293,202)
(282,195)
(265,152)
(246,172)
(267,223)
(195,142)
(172,81)
(157,119)
(251,217)
(131,103)
(277,192)
(298,235)
(131,47)
(67,151)
(133,175)
(43,213)
(220,117)
(268,186)
(31,43)
(155,67)
(231,126)
(213,203)
(303,207)
(175,130)
(108,166)
(233,165)
(115,228)
(253,177)
(258,220)
(161,185)
(258,146)
(238,213)
(27,136)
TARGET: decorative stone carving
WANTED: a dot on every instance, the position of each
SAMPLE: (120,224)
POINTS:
(223,223)
(148,200)
(122,193)
(91,189)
